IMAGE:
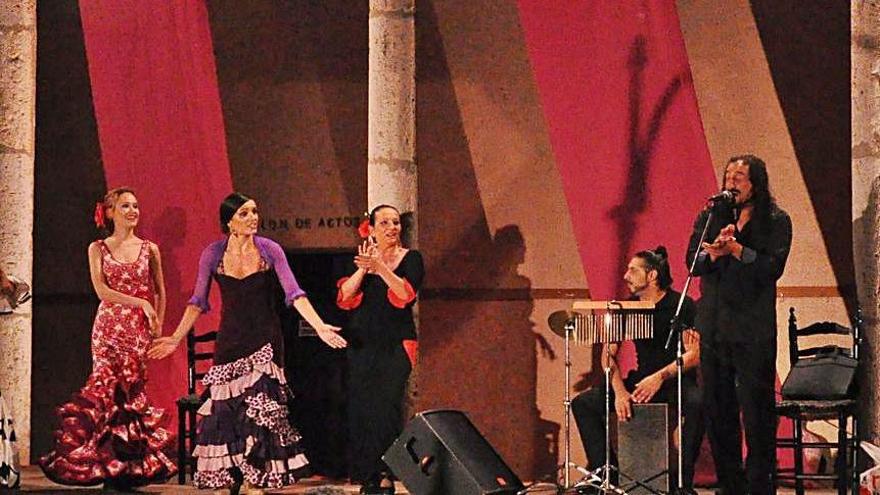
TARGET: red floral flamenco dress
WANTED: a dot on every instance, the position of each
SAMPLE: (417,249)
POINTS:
(109,433)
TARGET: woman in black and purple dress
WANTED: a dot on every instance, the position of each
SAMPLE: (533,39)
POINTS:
(380,292)
(245,433)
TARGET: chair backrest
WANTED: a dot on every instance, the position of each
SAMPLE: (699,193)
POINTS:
(795,351)
(195,355)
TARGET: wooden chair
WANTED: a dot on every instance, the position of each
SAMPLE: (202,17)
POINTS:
(190,403)
(800,411)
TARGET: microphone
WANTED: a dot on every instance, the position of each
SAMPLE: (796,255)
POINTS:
(727,196)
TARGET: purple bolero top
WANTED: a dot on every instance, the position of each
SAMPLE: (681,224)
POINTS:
(270,251)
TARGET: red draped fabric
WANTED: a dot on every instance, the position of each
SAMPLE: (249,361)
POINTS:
(161,131)
(625,128)
(622,114)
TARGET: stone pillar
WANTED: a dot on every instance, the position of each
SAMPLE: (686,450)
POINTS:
(391,127)
(391,124)
(18,62)
(865,58)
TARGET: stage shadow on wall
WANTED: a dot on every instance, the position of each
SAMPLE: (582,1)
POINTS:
(808,45)
(477,343)
(293,85)
(640,146)
(510,252)
(641,142)
(68,180)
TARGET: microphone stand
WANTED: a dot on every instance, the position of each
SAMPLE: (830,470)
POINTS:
(675,328)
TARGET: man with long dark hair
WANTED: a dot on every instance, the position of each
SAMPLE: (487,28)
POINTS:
(749,242)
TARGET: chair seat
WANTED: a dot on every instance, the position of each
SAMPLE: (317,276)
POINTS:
(814,409)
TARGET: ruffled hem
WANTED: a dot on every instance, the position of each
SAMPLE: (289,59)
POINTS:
(268,479)
(207,464)
(236,386)
(109,433)
(212,480)
(246,426)
(282,474)
(155,468)
(221,374)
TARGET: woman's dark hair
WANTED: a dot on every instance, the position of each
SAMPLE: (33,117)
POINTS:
(376,210)
(109,203)
(761,197)
(658,261)
(228,207)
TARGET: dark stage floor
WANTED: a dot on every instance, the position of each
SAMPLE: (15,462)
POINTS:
(33,481)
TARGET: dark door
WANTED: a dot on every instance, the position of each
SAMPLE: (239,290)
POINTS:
(317,373)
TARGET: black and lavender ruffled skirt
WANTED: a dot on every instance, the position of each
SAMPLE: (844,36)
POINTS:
(245,426)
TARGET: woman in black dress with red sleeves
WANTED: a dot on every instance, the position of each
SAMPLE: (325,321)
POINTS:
(380,293)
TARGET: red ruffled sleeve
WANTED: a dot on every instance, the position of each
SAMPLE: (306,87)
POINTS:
(347,304)
(396,301)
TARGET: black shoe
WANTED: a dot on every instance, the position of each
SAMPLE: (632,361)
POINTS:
(116,486)
(370,487)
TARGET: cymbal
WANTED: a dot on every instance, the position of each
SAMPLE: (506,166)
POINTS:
(558,319)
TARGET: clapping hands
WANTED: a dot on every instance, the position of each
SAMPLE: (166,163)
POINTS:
(723,244)
(368,258)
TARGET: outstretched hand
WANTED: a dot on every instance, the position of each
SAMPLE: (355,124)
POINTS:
(329,334)
(162,347)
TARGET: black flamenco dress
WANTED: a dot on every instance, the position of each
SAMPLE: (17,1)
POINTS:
(381,336)
(245,431)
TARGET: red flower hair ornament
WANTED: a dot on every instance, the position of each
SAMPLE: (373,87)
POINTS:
(364,228)
(100,219)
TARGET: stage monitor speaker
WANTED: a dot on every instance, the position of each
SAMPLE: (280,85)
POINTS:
(644,450)
(440,452)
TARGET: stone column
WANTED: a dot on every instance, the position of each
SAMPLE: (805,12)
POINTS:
(865,58)
(18,62)
(391,124)
(391,127)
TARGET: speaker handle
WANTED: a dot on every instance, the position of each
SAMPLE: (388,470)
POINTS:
(425,464)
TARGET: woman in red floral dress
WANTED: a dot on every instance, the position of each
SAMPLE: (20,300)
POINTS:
(109,433)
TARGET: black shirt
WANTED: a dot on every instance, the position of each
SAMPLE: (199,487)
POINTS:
(739,296)
(376,322)
(651,353)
